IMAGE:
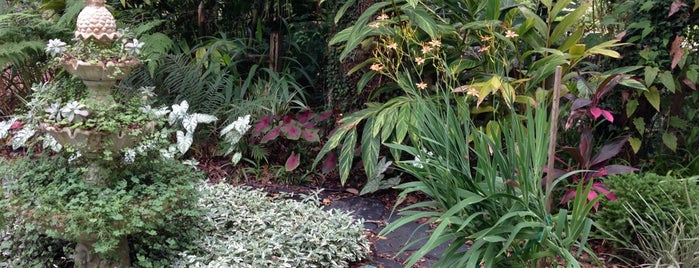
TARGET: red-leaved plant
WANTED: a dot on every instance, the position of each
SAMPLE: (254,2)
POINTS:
(584,112)
(597,165)
(302,128)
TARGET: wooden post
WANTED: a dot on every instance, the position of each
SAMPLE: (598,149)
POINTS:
(553,131)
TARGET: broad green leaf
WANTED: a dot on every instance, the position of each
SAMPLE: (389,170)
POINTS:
(693,74)
(696,5)
(461,64)
(347,155)
(631,106)
(538,23)
(390,123)
(403,123)
(668,81)
(632,83)
(640,125)
(635,144)
(332,143)
(547,3)
(571,43)
(602,49)
(670,140)
(492,10)
(508,93)
(370,147)
(570,20)
(342,10)
(558,7)
(412,3)
(423,20)
(653,96)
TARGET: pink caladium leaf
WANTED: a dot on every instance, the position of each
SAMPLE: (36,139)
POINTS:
(323,116)
(287,118)
(291,130)
(16,125)
(329,163)
(309,125)
(304,116)
(271,135)
(263,125)
(310,135)
(292,162)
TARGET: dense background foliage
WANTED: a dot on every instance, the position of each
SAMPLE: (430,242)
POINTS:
(342,81)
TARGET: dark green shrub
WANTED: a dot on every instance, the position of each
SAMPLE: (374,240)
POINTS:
(143,199)
(666,193)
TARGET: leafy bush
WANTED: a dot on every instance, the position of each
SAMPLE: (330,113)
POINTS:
(676,242)
(244,228)
(140,198)
(485,189)
(229,227)
(666,194)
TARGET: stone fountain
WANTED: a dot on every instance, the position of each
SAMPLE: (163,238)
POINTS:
(96,24)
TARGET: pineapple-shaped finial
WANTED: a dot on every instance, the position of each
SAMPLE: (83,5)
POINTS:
(97,23)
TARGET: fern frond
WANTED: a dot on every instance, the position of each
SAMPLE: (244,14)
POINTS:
(70,14)
(147,27)
(17,53)
(156,45)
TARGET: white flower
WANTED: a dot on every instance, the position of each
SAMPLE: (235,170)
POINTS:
(236,158)
(55,47)
(133,48)
(191,162)
(54,111)
(168,153)
(72,109)
(74,157)
(233,132)
(129,156)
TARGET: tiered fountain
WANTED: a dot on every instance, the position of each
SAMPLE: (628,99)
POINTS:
(96,24)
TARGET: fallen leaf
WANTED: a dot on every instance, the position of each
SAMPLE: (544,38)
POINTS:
(675,6)
(352,191)
(676,51)
(326,201)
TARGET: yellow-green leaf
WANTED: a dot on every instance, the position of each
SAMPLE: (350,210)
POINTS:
(650,74)
(668,81)
(635,144)
(568,21)
(653,96)
(347,155)
(640,125)
(631,107)
(508,93)
(402,123)
(670,140)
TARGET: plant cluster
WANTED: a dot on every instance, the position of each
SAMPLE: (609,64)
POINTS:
(245,228)
(301,130)
(50,194)
(487,189)
(228,227)
(661,201)
(123,49)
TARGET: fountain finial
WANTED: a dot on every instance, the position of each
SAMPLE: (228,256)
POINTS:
(97,23)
